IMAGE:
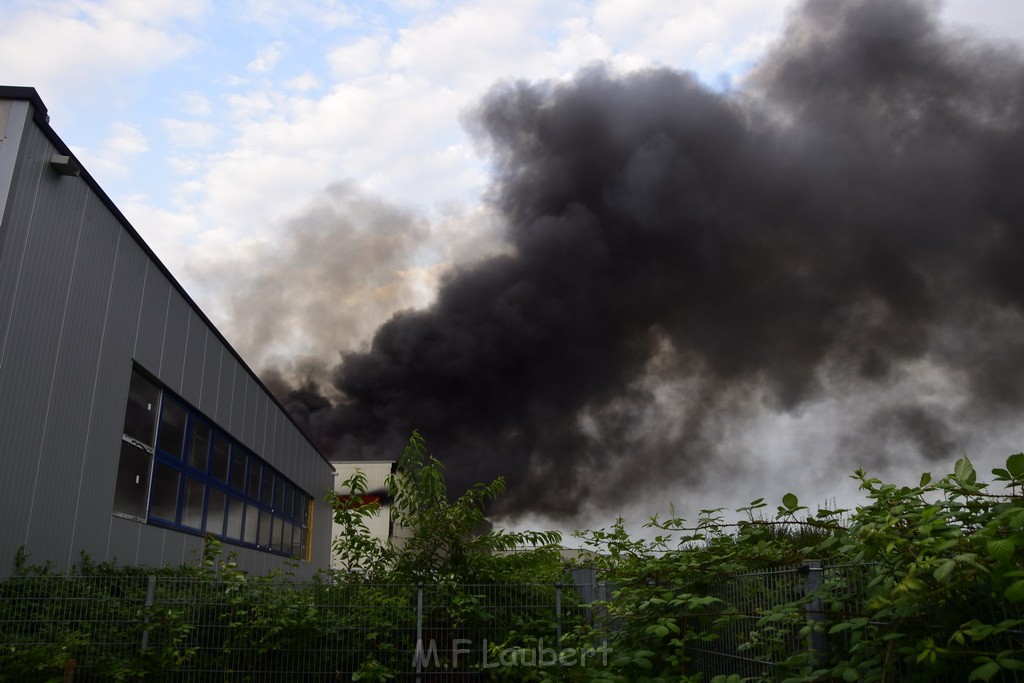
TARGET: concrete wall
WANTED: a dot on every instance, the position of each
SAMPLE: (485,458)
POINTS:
(82,298)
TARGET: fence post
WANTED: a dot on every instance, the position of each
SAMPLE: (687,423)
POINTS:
(150,593)
(419,632)
(601,615)
(558,617)
(815,609)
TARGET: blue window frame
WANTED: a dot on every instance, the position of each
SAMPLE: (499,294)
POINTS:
(200,480)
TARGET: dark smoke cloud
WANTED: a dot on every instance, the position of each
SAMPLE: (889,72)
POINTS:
(682,260)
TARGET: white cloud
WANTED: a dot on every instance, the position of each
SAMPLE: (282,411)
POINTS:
(184,165)
(111,158)
(125,139)
(391,121)
(709,37)
(195,104)
(68,49)
(475,43)
(999,18)
(302,83)
(266,58)
(190,133)
(359,58)
(281,16)
(250,105)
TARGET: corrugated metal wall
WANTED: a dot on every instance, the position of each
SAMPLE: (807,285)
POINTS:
(79,300)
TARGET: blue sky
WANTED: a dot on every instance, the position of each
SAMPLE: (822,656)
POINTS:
(264,148)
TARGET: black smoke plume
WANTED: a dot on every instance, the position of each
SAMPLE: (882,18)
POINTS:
(683,258)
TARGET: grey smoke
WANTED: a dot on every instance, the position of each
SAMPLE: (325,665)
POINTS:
(680,260)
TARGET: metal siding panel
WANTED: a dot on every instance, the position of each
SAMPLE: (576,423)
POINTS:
(172,362)
(259,413)
(123,541)
(252,394)
(241,414)
(151,545)
(281,438)
(211,377)
(274,429)
(237,415)
(33,337)
(173,548)
(16,470)
(195,360)
(64,453)
(225,391)
(15,128)
(152,320)
(192,550)
(117,319)
(95,530)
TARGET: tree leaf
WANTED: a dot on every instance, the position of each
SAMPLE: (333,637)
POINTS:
(943,571)
(984,672)
(1001,549)
(964,471)
(790,501)
(1015,593)
(1015,464)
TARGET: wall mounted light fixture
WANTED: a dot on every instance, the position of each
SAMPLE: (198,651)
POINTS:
(65,165)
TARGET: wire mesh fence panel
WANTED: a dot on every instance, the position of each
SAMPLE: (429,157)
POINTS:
(172,628)
(848,589)
(55,622)
(192,629)
(735,642)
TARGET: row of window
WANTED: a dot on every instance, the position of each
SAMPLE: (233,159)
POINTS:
(178,470)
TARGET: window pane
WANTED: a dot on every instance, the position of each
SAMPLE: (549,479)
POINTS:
(234,527)
(163,501)
(172,428)
(219,459)
(200,448)
(307,530)
(286,538)
(297,507)
(279,494)
(132,489)
(254,478)
(265,518)
(251,519)
(215,512)
(192,504)
(267,488)
(140,412)
(287,507)
(278,541)
(238,469)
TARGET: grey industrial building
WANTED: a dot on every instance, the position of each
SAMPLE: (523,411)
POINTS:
(129,427)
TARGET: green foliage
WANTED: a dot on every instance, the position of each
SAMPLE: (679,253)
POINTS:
(931,585)
(355,547)
(928,585)
(448,540)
